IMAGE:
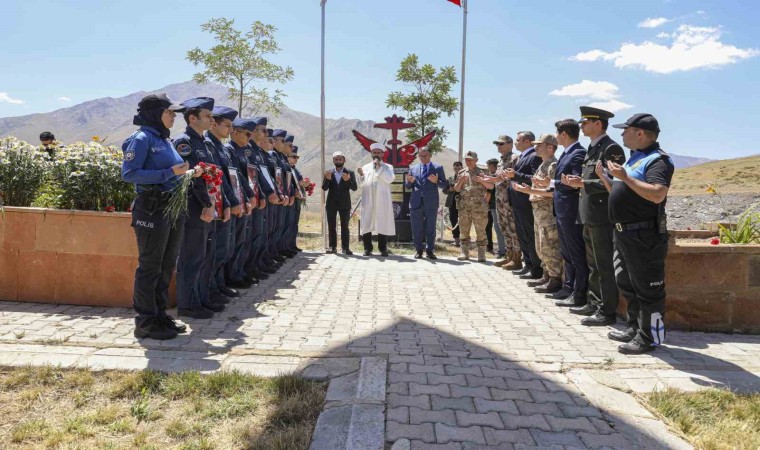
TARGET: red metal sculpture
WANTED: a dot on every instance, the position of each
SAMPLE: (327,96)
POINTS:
(395,156)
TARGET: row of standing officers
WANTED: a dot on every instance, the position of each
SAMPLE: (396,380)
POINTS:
(231,236)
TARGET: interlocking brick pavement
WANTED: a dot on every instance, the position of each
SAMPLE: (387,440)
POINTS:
(475,358)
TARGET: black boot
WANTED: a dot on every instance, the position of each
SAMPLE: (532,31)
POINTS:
(554,285)
(174,324)
(623,336)
(599,319)
(587,310)
(635,348)
(155,329)
(562,294)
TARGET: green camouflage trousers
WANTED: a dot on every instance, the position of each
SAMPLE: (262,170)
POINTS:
(506,220)
(547,240)
(477,216)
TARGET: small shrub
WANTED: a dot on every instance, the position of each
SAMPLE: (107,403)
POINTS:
(747,230)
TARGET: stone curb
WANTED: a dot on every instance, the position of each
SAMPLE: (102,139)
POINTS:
(354,413)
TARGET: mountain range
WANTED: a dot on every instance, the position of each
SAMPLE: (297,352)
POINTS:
(111,119)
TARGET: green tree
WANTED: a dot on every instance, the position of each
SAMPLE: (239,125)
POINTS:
(238,61)
(428,97)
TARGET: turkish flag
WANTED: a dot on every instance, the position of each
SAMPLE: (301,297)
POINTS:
(456,2)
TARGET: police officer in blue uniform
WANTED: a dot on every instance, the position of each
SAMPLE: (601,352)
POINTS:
(259,264)
(281,150)
(293,160)
(240,150)
(153,165)
(196,255)
(277,213)
(224,236)
(566,198)
(638,194)
(294,193)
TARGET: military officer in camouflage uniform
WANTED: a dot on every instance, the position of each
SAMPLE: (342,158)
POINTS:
(513,260)
(472,205)
(545,224)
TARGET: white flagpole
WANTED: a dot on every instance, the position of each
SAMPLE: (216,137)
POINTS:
(322,113)
(461,97)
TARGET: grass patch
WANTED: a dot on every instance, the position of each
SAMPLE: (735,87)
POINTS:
(713,419)
(48,407)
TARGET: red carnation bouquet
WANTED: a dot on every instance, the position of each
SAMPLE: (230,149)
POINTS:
(309,188)
(211,175)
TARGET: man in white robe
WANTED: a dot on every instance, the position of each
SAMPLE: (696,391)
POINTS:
(377,217)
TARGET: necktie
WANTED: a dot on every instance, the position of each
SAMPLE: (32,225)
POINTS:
(424,172)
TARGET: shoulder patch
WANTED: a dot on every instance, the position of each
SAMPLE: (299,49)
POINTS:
(129,155)
(247,152)
(184,149)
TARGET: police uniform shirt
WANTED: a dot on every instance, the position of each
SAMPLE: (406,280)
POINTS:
(239,156)
(260,159)
(650,165)
(230,199)
(195,149)
(148,160)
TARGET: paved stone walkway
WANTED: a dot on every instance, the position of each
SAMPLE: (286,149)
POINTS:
(475,358)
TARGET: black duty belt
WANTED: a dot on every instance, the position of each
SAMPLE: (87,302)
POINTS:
(633,226)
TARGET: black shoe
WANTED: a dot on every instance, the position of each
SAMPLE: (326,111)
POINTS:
(623,336)
(599,319)
(257,274)
(219,298)
(586,310)
(213,306)
(418,255)
(229,292)
(196,313)
(299,250)
(635,348)
(538,283)
(571,301)
(384,253)
(523,271)
(239,284)
(251,280)
(431,255)
(268,269)
(561,294)
(367,253)
(174,324)
(279,258)
(347,252)
(330,250)
(155,329)
(288,253)
(554,285)
(531,276)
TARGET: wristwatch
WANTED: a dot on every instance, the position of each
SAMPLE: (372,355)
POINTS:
(208,205)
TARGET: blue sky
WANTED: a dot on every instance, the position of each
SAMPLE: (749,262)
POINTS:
(694,64)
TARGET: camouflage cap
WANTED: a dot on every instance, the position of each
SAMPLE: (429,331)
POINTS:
(471,155)
(503,139)
(546,139)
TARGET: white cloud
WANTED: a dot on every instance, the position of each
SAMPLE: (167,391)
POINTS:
(64,99)
(597,90)
(691,48)
(5,98)
(611,106)
(653,22)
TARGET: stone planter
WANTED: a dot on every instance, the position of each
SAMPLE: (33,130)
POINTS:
(711,287)
(70,257)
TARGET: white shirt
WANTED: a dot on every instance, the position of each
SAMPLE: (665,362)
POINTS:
(552,182)
(338,174)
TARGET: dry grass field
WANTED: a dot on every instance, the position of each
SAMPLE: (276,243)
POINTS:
(739,175)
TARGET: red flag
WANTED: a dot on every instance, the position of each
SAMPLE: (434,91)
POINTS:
(456,2)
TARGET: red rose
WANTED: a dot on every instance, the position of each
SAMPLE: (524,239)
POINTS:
(714,241)
(110,208)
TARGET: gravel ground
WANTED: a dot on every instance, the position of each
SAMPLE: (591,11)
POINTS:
(693,211)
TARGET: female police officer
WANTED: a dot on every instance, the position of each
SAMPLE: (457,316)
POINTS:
(153,165)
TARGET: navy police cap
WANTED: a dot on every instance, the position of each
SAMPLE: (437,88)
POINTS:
(260,120)
(278,133)
(246,124)
(294,152)
(290,138)
(225,112)
(643,121)
(154,101)
(199,103)
(270,132)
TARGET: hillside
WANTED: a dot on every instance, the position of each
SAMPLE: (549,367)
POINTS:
(739,175)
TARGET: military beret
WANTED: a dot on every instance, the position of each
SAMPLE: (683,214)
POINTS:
(199,103)
(47,136)
(223,111)
(155,101)
(591,113)
(643,121)
(246,124)
(290,138)
(278,133)
(260,120)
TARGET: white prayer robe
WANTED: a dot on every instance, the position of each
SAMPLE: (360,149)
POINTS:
(377,206)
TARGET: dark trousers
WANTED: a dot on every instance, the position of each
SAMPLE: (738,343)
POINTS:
(294,226)
(207,270)
(192,255)
(573,250)
(602,288)
(234,270)
(423,227)
(283,236)
(223,240)
(332,234)
(526,236)
(157,250)
(256,255)
(454,219)
(382,242)
(489,232)
(275,214)
(639,261)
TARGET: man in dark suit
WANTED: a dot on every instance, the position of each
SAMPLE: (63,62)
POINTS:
(566,198)
(338,182)
(521,207)
(424,179)
(603,293)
